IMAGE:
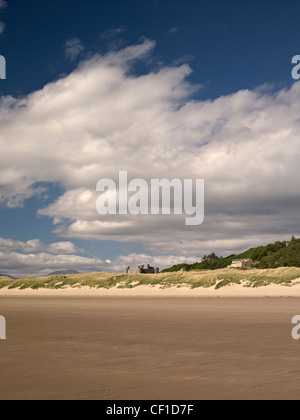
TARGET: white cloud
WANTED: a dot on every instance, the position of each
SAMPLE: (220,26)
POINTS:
(102,118)
(3,4)
(33,257)
(35,245)
(2,27)
(161,262)
(73,47)
(63,248)
(19,265)
(112,33)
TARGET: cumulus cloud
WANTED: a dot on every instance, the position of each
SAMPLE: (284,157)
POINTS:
(73,47)
(103,118)
(19,265)
(33,257)
(35,245)
(162,262)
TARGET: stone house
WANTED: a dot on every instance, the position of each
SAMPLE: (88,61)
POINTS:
(142,270)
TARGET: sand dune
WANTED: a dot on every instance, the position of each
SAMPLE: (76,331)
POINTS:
(156,291)
(219,283)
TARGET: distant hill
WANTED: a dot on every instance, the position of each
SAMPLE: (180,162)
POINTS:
(63,273)
(279,254)
(6,275)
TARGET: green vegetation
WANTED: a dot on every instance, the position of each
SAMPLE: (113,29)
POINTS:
(193,279)
(277,263)
(279,254)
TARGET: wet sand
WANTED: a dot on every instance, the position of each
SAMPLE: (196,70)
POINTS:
(149,348)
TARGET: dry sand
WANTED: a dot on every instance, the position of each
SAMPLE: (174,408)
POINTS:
(149,348)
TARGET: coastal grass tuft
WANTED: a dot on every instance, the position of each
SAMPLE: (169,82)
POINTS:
(254,278)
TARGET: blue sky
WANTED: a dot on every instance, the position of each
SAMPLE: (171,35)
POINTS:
(209,91)
(232,44)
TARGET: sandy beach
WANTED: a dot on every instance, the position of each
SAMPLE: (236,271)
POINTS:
(105,347)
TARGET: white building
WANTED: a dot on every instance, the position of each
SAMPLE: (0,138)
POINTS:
(244,263)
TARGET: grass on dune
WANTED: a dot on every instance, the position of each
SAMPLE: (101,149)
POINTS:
(193,279)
